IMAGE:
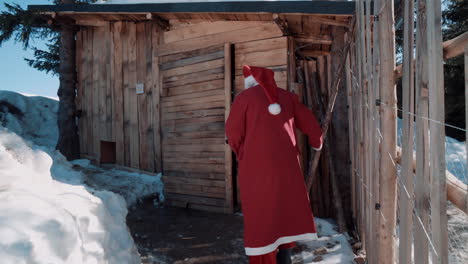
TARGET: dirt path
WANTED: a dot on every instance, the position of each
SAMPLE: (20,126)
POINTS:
(174,235)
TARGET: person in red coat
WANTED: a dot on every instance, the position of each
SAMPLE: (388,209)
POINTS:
(261,130)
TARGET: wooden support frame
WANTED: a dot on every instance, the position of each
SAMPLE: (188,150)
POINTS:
(466,108)
(229,198)
(406,193)
(437,135)
(422,141)
(388,173)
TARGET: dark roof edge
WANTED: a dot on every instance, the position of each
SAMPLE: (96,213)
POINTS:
(301,7)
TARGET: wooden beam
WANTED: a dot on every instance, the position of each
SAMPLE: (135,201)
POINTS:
(466,111)
(422,181)
(435,72)
(452,48)
(314,39)
(406,197)
(388,115)
(229,198)
(92,23)
(161,22)
(455,47)
(314,53)
(282,24)
(330,21)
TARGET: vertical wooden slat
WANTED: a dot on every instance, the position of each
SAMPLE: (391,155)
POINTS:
(79,99)
(376,123)
(118,96)
(291,63)
(350,106)
(156,93)
(466,110)
(229,198)
(370,134)
(437,134)
(145,106)
(108,52)
(101,50)
(406,193)
(388,171)
(132,98)
(88,135)
(363,126)
(96,122)
(422,190)
(126,91)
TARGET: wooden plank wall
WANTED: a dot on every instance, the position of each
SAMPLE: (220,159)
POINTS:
(183,105)
(193,115)
(113,59)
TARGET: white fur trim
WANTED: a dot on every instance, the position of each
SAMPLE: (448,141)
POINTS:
(274,109)
(282,240)
(319,148)
(250,81)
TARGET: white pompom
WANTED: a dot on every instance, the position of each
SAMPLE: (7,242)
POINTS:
(274,109)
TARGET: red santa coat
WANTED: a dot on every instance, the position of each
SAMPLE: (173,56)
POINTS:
(275,203)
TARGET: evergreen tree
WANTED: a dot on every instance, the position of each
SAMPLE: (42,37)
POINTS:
(23,25)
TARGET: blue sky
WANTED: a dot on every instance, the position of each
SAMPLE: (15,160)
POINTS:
(15,73)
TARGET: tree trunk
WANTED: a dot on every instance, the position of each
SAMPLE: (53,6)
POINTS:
(68,143)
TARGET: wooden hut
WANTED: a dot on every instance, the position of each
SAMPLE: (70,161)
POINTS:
(156,81)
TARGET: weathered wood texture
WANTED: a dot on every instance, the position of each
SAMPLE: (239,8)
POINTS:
(406,194)
(193,112)
(437,132)
(113,59)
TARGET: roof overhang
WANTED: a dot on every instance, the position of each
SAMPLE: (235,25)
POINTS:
(335,8)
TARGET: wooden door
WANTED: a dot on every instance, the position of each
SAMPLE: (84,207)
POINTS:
(195,101)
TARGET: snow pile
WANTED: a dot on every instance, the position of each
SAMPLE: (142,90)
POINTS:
(47,219)
(48,214)
(336,245)
(31,117)
(132,186)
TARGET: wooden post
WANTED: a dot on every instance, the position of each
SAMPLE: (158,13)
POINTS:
(466,110)
(437,135)
(156,92)
(377,155)
(388,115)
(349,93)
(229,199)
(421,243)
(369,112)
(406,194)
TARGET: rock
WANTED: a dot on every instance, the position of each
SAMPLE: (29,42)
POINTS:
(360,259)
(317,259)
(320,251)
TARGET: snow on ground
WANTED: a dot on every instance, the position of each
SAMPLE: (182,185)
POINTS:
(47,212)
(336,244)
(132,186)
(48,216)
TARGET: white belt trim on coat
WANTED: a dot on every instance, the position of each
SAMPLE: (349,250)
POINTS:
(282,240)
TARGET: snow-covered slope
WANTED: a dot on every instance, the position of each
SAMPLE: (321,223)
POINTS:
(31,117)
(47,213)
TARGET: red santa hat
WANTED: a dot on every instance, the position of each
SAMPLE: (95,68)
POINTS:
(264,77)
